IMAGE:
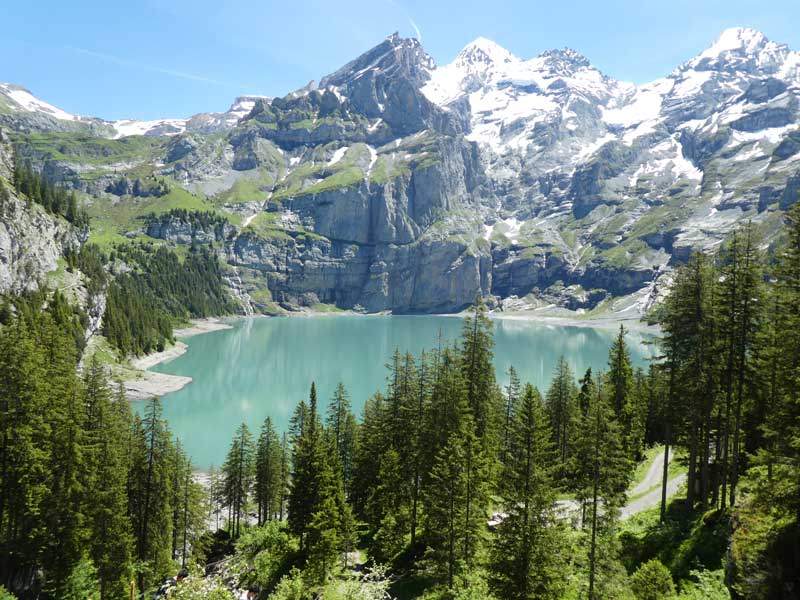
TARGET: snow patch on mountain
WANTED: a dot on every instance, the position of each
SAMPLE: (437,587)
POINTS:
(241,107)
(26,101)
(338,155)
(128,127)
(643,106)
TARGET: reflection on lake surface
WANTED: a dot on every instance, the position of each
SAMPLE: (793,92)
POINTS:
(264,367)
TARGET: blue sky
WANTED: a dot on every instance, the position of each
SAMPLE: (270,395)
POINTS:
(148,59)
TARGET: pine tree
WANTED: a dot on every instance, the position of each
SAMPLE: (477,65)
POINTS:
(150,494)
(525,557)
(730,273)
(331,530)
(238,472)
(307,465)
(586,391)
(106,471)
(749,324)
(419,439)
(373,443)
(448,405)
(341,424)
(624,401)
(23,483)
(483,395)
(512,397)
(603,468)
(283,494)
(561,410)
(781,428)
(64,437)
(387,510)
(457,502)
(268,472)
(689,344)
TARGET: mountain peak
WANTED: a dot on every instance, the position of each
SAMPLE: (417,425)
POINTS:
(565,61)
(737,38)
(483,51)
(741,48)
(395,53)
(23,99)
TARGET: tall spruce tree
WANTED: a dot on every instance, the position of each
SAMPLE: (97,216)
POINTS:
(749,321)
(308,456)
(781,428)
(343,428)
(512,397)
(268,472)
(689,344)
(562,411)
(624,400)
(457,503)
(23,483)
(388,512)
(603,469)
(483,395)
(238,471)
(150,494)
(526,561)
(110,537)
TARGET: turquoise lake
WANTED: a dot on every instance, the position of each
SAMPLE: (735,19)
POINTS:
(264,367)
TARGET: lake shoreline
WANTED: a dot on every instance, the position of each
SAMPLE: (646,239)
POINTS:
(148,384)
(598,322)
(542,315)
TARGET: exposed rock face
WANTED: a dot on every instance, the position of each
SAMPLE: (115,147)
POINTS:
(425,276)
(394,184)
(31,242)
(184,232)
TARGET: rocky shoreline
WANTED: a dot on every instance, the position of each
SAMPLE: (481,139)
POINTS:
(147,384)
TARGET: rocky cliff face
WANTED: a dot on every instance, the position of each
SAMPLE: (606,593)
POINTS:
(31,243)
(396,184)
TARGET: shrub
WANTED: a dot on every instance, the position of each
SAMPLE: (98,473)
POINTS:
(706,585)
(6,595)
(652,581)
(271,551)
(291,587)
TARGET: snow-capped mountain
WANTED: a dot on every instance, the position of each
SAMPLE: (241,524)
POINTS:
(203,122)
(397,184)
(17,98)
(562,141)
(19,103)
(512,100)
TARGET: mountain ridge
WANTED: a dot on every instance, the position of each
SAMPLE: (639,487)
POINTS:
(533,181)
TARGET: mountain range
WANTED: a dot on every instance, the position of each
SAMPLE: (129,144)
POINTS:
(395,184)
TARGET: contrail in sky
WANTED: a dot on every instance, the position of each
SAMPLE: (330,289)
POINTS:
(152,68)
(411,21)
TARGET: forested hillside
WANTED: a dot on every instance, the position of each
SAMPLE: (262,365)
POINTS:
(91,496)
(447,486)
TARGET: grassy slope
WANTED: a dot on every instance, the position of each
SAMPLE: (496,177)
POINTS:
(109,222)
